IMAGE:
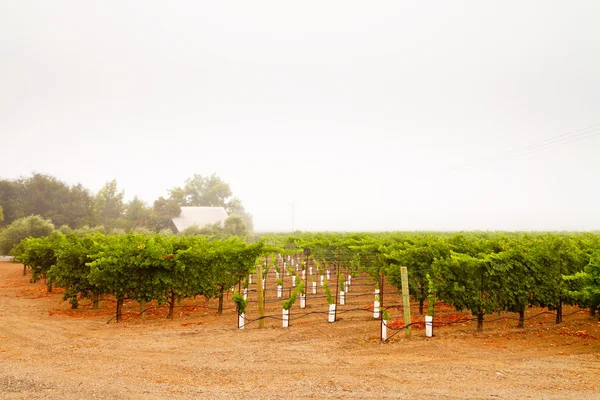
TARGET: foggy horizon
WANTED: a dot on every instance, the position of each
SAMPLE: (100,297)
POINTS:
(393,116)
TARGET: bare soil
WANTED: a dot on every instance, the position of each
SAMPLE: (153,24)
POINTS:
(48,351)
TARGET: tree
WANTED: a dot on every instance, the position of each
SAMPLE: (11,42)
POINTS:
(80,209)
(163,212)
(235,207)
(234,225)
(48,197)
(210,191)
(32,226)
(202,191)
(1,215)
(137,214)
(109,204)
(11,200)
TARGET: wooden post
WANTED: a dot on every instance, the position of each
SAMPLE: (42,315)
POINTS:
(259,300)
(143,309)
(406,301)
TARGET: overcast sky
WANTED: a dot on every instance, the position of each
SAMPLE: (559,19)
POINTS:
(366,115)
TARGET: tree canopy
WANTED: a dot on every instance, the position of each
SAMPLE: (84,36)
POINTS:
(23,228)
(75,207)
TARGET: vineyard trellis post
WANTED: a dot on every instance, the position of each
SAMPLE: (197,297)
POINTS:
(260,293)
(405,301)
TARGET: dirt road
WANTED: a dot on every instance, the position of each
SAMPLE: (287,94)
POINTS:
(50,352)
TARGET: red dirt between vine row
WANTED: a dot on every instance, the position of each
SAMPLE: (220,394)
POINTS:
(48,351)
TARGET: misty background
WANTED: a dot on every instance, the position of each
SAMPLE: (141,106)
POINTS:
(366,116)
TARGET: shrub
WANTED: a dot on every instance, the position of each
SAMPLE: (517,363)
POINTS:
(22,228)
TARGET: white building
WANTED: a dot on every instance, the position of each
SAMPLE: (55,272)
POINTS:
(199,216)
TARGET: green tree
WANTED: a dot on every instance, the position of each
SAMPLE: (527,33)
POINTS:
(234,225)
(138,214)
(12,200)
(109,204)
(163,211)
(79,210)
(202,191)
(22,228)
(235,207)
(48,197)
(210,191)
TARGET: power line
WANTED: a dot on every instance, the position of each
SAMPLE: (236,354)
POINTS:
(551,141)
(545,144)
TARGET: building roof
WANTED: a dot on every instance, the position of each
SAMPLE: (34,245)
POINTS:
(199,216)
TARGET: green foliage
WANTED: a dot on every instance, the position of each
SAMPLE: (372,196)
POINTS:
(33,226)
(71,270)
(239,301)
(76,207)
(235,225)
(417,253)
(40,254)
(299,289)
(327,290)
(208,191)
(163,212)
(466,282)
(137,214)
(109,204)
(211,191)
(65,230)
(47,197)
(587,282)
(87,230)
(480,272)
(385,314)
(431,305)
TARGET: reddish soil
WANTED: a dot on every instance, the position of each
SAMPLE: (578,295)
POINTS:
(48,351)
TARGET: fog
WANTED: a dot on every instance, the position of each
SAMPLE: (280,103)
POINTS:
(365,115)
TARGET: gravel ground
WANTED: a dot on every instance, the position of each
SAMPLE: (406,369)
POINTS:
(48,351)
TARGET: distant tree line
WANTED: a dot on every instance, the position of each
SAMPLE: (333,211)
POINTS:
(74,207)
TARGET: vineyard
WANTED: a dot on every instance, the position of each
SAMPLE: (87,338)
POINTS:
(181,301)
(286,278)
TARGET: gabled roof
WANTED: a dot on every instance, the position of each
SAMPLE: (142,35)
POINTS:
(199,216)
